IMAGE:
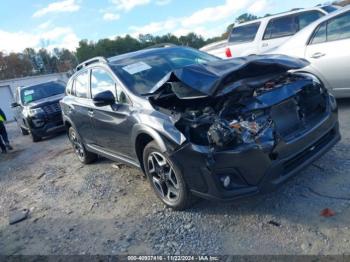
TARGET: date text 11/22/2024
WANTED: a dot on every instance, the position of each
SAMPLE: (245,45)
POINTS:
(173,258)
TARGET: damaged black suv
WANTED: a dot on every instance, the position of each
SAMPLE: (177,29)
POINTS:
(199,126)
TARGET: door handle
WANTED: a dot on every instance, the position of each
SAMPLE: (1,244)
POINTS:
(91,113)
(318,55)
(265,45)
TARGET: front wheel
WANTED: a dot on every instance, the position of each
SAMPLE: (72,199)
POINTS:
(35,138)
(24,131)
(84,156)
(166,178)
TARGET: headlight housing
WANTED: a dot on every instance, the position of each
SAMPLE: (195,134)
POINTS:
(35,111)
(314,78)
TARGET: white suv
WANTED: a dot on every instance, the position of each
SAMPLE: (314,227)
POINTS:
(258,36)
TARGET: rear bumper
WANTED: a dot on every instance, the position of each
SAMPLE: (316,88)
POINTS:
(257,169)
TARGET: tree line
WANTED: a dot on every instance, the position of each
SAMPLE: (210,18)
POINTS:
(31,62)
(35,62)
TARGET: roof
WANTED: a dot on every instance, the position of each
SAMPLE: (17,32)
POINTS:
(293,11)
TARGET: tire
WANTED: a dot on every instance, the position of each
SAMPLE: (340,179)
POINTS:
(83,155)
(24,131)
(35,138)
(163,174)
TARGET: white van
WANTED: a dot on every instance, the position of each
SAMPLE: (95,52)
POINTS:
(258,36)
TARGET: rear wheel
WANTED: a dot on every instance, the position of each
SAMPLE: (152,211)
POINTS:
(166,179)
(84,156)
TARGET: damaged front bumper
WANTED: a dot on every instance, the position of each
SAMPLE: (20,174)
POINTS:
(254,168)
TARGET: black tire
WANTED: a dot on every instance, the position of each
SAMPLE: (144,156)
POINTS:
(24,131)
(35,138)
(160,181)
(83,155)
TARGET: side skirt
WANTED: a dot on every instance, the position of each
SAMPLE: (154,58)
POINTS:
(99,151)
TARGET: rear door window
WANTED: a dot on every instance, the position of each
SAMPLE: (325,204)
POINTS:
(82,85)
(335,29)
(244,34)
(281,27)
(339,28)
(307,18)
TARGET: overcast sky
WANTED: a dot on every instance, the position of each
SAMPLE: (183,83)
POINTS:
(62,23)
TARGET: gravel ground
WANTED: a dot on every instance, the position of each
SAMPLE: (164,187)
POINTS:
(106,208)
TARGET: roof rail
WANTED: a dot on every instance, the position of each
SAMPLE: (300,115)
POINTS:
(296,9)
(161,45)
(98,59)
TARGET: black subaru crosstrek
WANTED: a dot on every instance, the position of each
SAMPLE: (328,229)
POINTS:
(199,126)
(37,109)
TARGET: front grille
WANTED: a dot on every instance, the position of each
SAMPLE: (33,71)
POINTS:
(52,108)
(300,112)
(286,117)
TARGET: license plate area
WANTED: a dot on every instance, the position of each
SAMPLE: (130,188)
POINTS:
(286,117)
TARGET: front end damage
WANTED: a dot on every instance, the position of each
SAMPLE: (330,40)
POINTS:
(248,129)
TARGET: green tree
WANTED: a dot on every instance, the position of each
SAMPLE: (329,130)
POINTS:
(246,17)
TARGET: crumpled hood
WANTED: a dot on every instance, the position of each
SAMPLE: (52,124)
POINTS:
(217,78)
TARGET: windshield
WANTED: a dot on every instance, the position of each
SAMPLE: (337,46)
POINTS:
(141,72)
(34,93)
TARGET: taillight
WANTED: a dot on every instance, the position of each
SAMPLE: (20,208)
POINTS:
(228,52)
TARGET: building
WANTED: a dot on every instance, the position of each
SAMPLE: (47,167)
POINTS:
(8,87)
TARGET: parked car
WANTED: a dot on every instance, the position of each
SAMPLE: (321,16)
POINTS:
(216,48)
(325,44)
(255,37)
(37,109)
(199,126)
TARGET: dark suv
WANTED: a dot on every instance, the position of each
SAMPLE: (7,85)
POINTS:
(199,126)
(37,109)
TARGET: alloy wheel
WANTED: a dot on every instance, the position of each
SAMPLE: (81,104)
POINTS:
(163,177)
(77,145)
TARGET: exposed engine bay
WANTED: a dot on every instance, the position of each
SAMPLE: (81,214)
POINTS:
(258,110)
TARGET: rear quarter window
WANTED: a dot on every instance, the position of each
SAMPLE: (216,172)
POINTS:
(329,9)
(281,27)
(306,18)
(244,34)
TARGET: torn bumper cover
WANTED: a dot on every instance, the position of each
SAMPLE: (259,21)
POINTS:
(253,169)
(249,123)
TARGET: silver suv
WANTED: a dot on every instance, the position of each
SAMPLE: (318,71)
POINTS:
(258,36)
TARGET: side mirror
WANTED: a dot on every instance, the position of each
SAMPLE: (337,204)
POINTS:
(105,98)
(13,105)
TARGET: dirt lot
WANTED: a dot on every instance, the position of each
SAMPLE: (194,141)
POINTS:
(109,209)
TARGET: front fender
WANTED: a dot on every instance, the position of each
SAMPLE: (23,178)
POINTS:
(139,129)
(66,120)
(312,70)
